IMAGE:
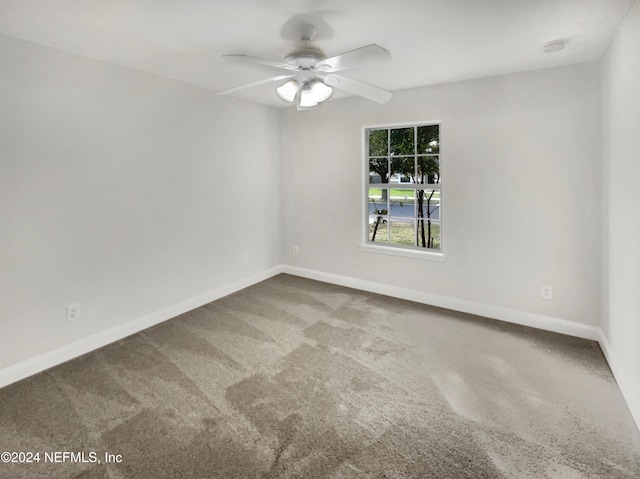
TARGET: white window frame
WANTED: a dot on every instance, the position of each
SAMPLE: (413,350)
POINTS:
(390,249)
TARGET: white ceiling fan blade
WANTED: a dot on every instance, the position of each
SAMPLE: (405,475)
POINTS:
(354,58)
(261,61)
(359,88)
(260,82)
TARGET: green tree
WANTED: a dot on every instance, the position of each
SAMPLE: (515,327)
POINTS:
(378,147)
(428,172)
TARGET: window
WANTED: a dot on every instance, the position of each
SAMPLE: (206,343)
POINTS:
(403,188)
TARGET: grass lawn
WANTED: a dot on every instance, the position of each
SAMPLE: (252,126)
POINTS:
(403,234)
(376,193)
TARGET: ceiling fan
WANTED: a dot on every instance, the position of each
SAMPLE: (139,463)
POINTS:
(311,76)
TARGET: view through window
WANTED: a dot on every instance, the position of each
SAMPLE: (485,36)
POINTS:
(404,186)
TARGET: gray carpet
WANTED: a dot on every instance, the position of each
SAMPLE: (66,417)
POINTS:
(296,378)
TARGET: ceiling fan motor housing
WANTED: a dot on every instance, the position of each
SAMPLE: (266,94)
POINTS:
(305,57)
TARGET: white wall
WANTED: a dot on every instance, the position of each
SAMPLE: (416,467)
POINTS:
(621,250)
(124,192)
(522,190)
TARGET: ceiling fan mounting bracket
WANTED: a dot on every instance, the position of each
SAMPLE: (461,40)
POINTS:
(308,55)
(307,32)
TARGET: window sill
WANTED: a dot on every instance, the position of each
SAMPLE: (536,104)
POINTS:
(403,252)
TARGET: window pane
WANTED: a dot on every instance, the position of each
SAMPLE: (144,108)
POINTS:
(402,231)
(378,201)
(428,234)
(428,204)
(403,170)
(378,142)
(428,139)
(378,215)
(428,170)
(402,203)
(378,170)
(402,141)
(379,229)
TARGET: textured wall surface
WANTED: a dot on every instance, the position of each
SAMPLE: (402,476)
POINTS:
(123,192)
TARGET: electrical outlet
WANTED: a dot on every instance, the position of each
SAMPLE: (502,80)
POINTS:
(546,291)
(296,251)
(73,312)
(246,258)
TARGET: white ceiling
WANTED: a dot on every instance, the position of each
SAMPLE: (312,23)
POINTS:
(431,41)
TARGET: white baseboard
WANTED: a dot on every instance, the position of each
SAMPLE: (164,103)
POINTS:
(490,311)
(631,395)
(65,353)
(495,312)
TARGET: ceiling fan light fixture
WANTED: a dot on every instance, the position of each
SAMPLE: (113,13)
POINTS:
(307,98)
(313,92)
(288,91)
(320,91)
